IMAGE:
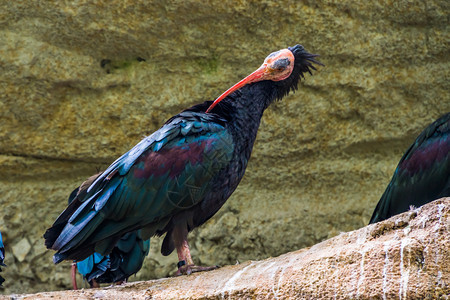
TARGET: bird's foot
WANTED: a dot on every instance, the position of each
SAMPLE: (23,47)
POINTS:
(94,284)
(184,269)
(115,284)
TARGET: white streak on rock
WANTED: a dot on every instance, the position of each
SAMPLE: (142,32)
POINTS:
(361,274)
(404,274)
(386,263)
(229,285)
(439,215)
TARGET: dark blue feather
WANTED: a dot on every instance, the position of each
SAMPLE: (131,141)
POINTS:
(422,175)
(148,186)
(2,258)
(125,260)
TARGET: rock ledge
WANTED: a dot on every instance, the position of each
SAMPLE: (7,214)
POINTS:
(404,257)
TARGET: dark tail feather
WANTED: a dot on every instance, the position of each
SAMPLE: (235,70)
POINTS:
(381,211)
(1,278)
(168,245)
(76,254)
(53,232)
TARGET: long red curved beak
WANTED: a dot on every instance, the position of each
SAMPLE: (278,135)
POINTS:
(257,75)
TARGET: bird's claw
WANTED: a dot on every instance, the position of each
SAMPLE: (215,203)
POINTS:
(116,284)
(189,269)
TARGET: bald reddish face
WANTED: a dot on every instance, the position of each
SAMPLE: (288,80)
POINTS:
(277,66)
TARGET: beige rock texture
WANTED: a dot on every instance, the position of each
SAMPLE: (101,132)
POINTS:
(404,257)
(81,82)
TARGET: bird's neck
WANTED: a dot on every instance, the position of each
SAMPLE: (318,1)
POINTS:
(247,106)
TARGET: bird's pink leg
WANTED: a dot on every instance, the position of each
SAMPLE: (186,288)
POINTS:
(185,263)
(74,275)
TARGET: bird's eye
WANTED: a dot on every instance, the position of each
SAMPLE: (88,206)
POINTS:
(281,64)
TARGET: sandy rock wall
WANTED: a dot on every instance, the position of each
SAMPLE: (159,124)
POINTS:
(81,82)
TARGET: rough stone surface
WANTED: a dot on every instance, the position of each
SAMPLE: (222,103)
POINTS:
(74,96)
(404,257)
(21,249)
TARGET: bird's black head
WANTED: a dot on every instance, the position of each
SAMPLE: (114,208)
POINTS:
(284,68)
(303,63)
